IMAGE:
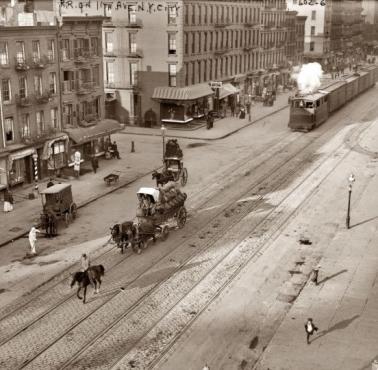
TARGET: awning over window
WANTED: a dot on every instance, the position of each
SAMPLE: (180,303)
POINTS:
(183,93)
(226,90)
(47,148)
(81,135)
(21,154)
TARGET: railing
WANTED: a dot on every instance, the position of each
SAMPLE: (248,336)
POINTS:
(21,64)
(138,53)
(43,98)
(25,101)
(136,24)
(68,86)
(109,85)
(221,51)
(222,23)
(84,87)
(91,117)
(38,62)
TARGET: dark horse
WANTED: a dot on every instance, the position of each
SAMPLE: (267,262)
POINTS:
(123,234)
(82,278)
(162,177)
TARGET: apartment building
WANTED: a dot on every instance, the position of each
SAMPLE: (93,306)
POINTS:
(32,142)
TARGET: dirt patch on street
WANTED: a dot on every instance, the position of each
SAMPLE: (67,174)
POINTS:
(196,145)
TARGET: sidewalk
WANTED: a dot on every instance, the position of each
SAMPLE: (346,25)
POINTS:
(222,128)
(88,188)
(344,304)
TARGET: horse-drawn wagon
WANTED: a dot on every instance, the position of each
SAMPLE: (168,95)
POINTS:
(159,211)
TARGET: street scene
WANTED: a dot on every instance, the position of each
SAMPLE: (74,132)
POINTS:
(188,185)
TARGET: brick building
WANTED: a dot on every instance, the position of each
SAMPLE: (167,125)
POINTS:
(30,113)
(51,94)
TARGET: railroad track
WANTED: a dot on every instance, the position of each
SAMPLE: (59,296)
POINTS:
(236,218)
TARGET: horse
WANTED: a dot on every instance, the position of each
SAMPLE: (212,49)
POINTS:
(162,178)
(83,279)
(123,234)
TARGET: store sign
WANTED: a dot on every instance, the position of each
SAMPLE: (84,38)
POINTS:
(216,84)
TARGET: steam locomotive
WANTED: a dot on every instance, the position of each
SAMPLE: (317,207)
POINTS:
(311,110)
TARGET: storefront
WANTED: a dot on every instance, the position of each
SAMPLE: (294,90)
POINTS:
(228,97)
(3,171)
(55,153)
(21,166)
(91,141)
(183,104)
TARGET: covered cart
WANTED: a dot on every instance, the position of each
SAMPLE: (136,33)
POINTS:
(58,204)
(159,211)
(173,162)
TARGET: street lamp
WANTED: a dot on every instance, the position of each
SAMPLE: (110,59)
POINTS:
(351,180)
(163,129)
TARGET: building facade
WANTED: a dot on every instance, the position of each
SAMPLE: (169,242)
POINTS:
(51,95)
(30,109)
(159,58)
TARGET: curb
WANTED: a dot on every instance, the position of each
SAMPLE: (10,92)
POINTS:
(85,203)
(209,139)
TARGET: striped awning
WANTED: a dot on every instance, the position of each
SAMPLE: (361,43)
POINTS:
(192,92)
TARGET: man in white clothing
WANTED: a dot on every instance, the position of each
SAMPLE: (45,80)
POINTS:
(33,239)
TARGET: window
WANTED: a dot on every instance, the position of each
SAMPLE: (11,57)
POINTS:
(51,50)
(38,85)
(133,73)
(205,42)
(9,133)
(193,14)
(132,14)
(172,44)
(40,121)
(96,75)
(313,15)
(109,72)
(25,128)
(109,42)
(4,58)
(172,69)
(65,47)
(312,46)
(52,82)
(186,43)
(6,90)
(54,117)
(94,45)
(23,87)
(68,114)
(312,30)
(107,10)
(172,14)
(20,52)
(132,43)
(193,42)
(36,51)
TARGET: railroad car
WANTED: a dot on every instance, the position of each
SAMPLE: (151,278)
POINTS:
(311,110)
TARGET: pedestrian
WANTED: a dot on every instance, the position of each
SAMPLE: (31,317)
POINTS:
(315,274)
(33,239)
(249,110)
(310,328)
(115,150)
(94,163)
(232,109)
(206,367)
(77,161)
(8,201)
(50,183)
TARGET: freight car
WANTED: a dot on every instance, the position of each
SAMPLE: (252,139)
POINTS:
(311,110)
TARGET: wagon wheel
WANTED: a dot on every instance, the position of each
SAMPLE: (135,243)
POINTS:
(181,217)
(73,211)
(184,176)
(164,233)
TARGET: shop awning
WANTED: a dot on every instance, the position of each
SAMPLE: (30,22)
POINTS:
(193,92)
(21,154)
(81,135)
(47,147)
(226,90)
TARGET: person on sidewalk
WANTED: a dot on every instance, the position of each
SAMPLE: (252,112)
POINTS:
(8,201)
(310,328)
(77,161)
(94,162)
(115,150)
(33,239)
(315,274)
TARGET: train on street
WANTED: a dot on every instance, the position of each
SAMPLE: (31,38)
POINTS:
(311,110)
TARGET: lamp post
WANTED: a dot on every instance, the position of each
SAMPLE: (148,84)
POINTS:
(163,129)
(351,180)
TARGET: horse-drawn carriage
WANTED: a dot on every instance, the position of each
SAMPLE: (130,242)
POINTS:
(173,169)
(159,211)
(57,205)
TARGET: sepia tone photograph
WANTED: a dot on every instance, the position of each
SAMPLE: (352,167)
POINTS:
(188,184)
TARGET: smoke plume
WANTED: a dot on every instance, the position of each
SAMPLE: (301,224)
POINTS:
(308,78)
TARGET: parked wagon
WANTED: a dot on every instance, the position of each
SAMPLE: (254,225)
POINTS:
(57,202)
(112,178)
(159,213)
